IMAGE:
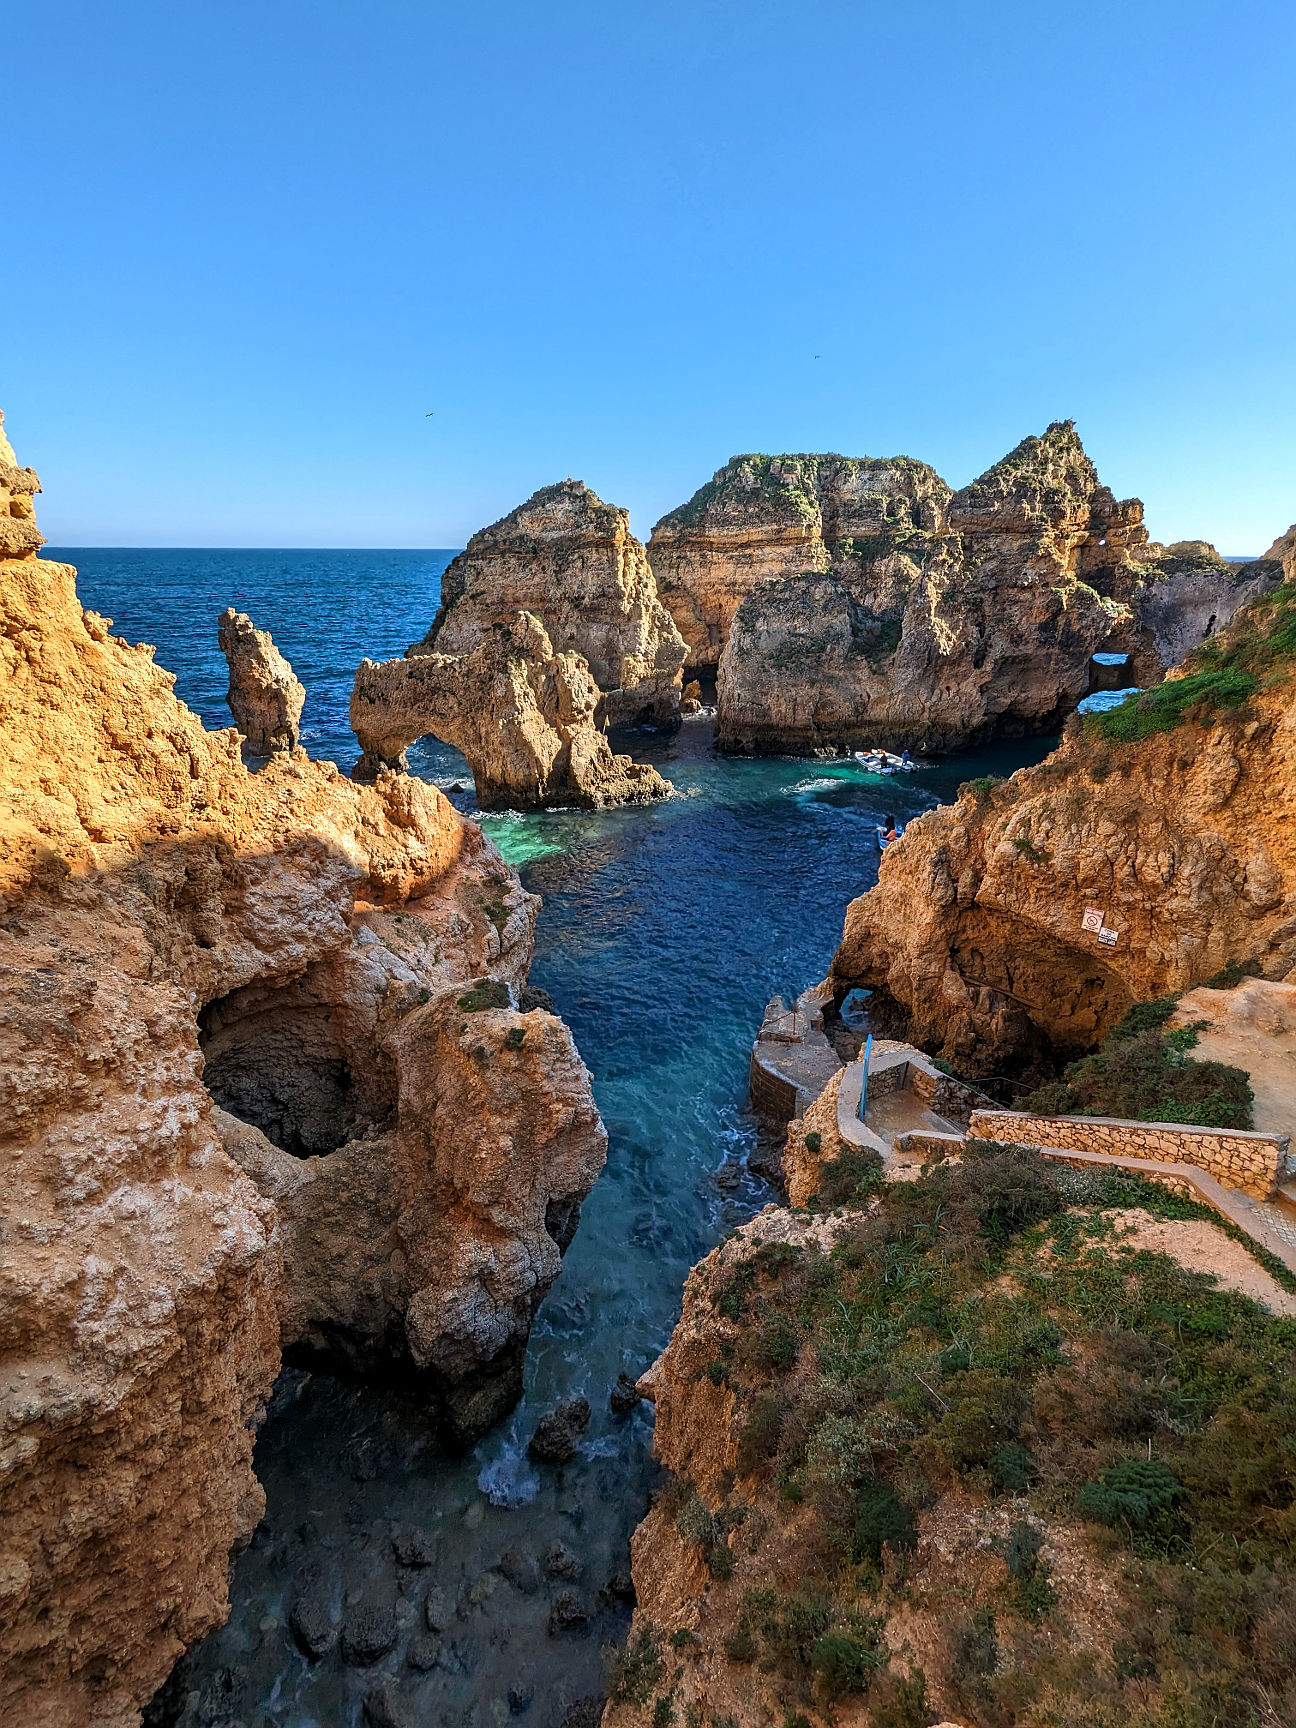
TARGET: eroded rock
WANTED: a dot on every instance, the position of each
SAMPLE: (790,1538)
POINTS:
(1180,845)
(857,603)
(523,715)
(264,696)
(558,1431)
(308,940)
(571,561)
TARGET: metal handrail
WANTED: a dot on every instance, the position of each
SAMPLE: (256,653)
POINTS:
(868,1055)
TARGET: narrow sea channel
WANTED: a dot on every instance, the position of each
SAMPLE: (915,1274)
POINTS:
(663,933)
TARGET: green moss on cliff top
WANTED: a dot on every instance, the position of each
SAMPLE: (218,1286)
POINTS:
(773,485)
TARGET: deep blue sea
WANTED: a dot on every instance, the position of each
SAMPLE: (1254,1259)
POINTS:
(663,933)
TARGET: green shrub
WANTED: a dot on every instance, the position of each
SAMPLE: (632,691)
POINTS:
(1140,1072)
(1013,1468)
(515,1037)
(1132,1493)
(1030,851)
(1231,975)
(980,788)
(762,1428)
(720,1561)
(899,1701)
(664,1711)
(740,1646)
(881,1520)
(854,1176)
(814,1142)
(844,1662)
(635,1671)
(486,993)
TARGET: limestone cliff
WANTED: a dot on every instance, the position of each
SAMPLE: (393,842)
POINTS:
(760,518)
(264,696)
(524,716)
(1172,818)
(856,603)
(569,559)
(989,630)
(346,961)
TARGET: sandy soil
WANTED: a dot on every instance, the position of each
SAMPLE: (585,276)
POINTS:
(1253,1028)
(1203,1247)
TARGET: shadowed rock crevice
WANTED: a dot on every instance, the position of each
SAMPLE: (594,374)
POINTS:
(275,1058)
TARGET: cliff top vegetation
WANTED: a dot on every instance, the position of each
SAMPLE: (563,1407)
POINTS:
(1143,1072)
(1101,1435)
(759,483)
(1256,651)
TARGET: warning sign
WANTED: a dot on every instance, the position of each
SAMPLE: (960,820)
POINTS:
(1107,937)
(1093,918)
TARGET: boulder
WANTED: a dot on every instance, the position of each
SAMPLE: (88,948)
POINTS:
(557,1432)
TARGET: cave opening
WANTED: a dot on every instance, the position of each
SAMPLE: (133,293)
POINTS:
(275,1058)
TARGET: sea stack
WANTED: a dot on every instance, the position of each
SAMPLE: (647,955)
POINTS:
(571,561)
(854,603)
(264,697)
(760,518)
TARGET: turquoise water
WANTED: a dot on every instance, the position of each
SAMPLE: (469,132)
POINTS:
(663,933)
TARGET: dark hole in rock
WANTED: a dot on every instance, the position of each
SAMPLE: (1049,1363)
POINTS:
(273,1057)
(561,1218)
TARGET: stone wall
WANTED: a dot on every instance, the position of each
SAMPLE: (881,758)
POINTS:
(1236,1158)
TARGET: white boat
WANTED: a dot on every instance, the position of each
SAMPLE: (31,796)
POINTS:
(876,763)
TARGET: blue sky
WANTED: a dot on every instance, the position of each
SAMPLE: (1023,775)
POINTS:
(251,246)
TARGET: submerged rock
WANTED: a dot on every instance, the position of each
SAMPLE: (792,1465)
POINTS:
(368,1633)
(523,715)
(522,1569)
(424,1652)
(264,696)
(557,1432)
(566,1612)
(312,1626)
(414,1548)
(561,1562)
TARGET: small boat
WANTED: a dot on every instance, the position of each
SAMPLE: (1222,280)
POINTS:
(883,762)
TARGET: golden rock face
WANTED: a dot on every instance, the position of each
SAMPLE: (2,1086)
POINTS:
(311,941)
(1032,913)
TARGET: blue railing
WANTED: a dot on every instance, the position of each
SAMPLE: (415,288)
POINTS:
(868,1055)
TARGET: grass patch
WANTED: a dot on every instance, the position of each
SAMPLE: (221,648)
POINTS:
(1143,1073)
(1257,648)
(486,993)
(984,1330)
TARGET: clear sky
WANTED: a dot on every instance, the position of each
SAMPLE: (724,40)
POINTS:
(251,246)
